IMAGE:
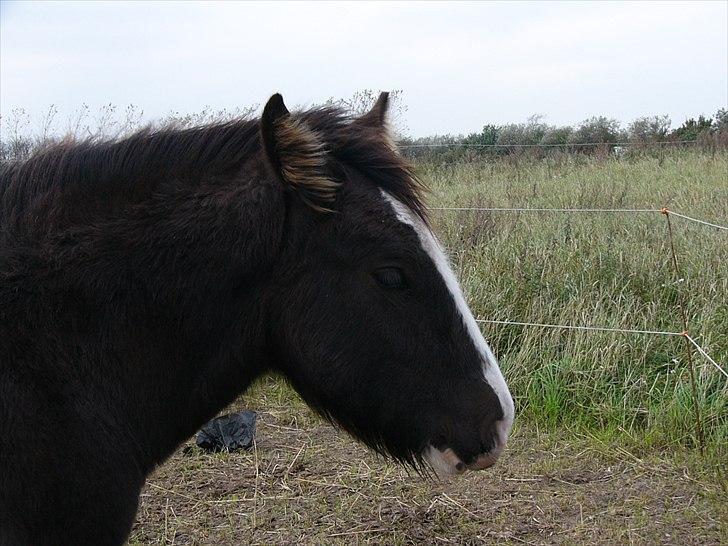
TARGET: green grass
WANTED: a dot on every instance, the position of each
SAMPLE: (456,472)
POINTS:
(601,269)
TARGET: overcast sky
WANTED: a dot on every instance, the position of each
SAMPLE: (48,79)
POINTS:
(460,65)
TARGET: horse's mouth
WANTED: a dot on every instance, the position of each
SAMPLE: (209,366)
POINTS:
(446,462)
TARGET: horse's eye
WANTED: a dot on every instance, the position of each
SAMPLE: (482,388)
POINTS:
(390,277)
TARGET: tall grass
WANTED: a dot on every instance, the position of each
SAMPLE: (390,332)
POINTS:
(601,269)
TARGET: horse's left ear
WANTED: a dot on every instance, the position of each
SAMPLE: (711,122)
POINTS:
(377,116)
(297,155)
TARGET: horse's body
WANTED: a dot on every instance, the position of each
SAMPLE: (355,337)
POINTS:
(145,283)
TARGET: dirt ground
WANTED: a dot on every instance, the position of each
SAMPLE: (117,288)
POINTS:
(307,483)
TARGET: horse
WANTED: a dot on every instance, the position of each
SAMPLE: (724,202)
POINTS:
(146,281)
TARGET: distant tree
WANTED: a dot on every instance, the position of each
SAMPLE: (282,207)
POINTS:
(557,135)
(721,120)
(691,129)
(487,137)
(530,132)
(649,129)
(597,129)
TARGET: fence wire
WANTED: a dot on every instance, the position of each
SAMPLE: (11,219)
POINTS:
(706,355)
(663,210)
(685,217)
(605,329)
(578,327)
(533,209)
(689,340)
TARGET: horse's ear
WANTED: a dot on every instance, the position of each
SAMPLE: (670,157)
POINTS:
(376,120)
(377,116)
(297,154)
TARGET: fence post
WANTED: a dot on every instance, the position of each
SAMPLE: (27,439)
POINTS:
(688,345)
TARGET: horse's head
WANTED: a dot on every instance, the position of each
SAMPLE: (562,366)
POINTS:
(367,319)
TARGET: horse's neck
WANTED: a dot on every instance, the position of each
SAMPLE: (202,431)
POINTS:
(184,314)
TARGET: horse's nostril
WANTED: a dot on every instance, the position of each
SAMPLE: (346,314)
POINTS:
(460,467)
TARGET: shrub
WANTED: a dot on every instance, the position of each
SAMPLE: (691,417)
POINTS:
(721,120)
(557,135)
(649,129)
(597,129)
(691,129)
(530,132)
(487,137)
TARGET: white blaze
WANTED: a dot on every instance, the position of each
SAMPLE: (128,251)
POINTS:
(491,371)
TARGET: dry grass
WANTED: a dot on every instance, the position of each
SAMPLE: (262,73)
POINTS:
(307,483)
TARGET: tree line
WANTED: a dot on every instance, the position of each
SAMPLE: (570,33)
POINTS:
(596,135)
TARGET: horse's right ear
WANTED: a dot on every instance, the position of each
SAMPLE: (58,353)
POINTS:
(296,154)
(377,116)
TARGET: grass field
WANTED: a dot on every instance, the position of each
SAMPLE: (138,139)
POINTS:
(602,269)
(604,449)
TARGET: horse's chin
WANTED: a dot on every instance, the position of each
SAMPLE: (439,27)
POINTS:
(446,463)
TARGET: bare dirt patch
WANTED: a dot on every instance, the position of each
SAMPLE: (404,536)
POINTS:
(307,483)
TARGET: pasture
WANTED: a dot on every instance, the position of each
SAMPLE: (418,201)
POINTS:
(604,449)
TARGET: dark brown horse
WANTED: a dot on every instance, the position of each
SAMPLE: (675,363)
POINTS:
(145,282)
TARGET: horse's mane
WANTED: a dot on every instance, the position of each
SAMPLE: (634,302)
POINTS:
(129,168)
